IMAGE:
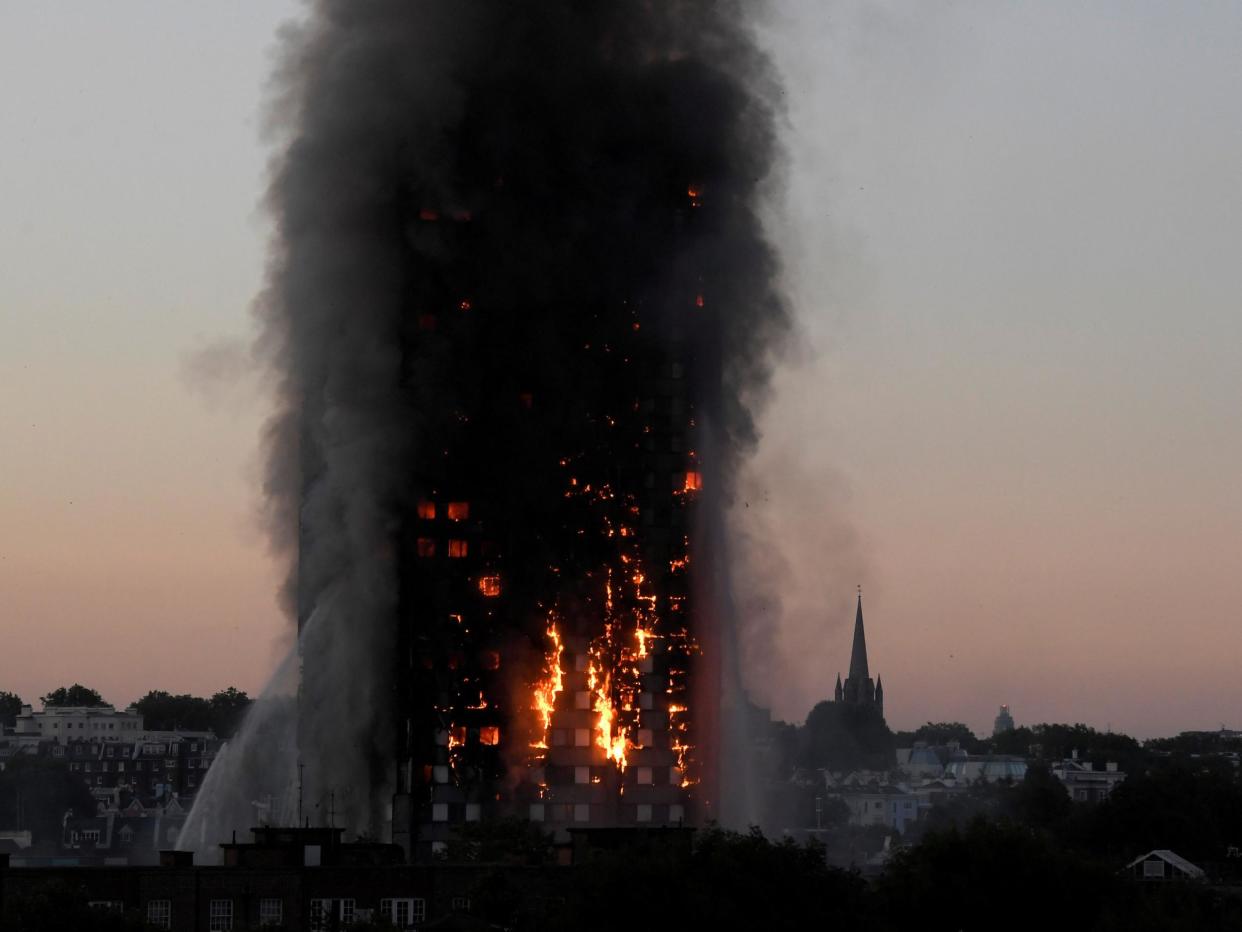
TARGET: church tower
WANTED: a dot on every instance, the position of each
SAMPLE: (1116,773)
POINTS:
(859,688)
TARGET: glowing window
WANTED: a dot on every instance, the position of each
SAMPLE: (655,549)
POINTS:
(458,549)
(694,481)
(489,586)
(426,547)
(582,737)
(489,735)
(427,511)
(458,511)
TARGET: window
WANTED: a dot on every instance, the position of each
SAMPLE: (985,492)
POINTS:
(536,812)
(439,812)
(582,812)
(582,775)
(347,912)
(1154,868)
(489,735)
(461,904)
(582,699)
(426,547)
(404,912)
(458,511)
(159,913)
(582,737)
(489,586)
(694,481)
(271,911)
(646,738)
(458,549)
(107,906)
(474,812)
(644,812)
(220,916)
(560,737)
(676,812)
(427,511)
(643,775)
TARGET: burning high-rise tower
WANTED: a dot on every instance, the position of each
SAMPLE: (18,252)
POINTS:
(520,305)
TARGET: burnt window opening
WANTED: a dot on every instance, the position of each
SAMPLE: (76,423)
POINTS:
(489,735)
(426,547)
(489,586)
(457,511)
(427,510)
(458,549)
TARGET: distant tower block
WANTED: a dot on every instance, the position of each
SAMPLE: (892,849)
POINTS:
(859,688)
(1004,721)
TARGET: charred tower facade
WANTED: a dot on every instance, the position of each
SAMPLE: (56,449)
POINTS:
(522,300)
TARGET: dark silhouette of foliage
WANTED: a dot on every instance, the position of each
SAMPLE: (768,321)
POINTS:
(75,695)
(35,794)
(10,708)
(841,736)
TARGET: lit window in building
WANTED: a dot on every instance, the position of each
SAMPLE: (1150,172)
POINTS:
(489,735)
(426,547)
(582,775)
(427,511)
(271,911)
(644,812)
(489,586)
(457,549)
(220,916)
(646,737)
(582,737)
(159,913)
(694,481)
(458,511)
(582,699)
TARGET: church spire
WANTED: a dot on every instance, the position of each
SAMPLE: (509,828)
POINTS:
(858,657)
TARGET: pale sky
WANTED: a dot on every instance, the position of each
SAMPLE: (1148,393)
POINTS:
(1013,236)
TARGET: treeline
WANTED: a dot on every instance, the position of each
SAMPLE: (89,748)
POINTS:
(220,713)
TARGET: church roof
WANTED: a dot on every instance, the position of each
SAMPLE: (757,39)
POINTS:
(858,656)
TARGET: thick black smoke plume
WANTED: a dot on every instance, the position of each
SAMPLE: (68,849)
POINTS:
(495,219)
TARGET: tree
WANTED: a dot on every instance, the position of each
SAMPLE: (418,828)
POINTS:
(941,733)
(841,736)
(75,695)
(228,707)
(35,794)
(163,711)
(10,708)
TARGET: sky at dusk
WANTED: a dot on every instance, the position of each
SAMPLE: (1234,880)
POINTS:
(1012,236)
